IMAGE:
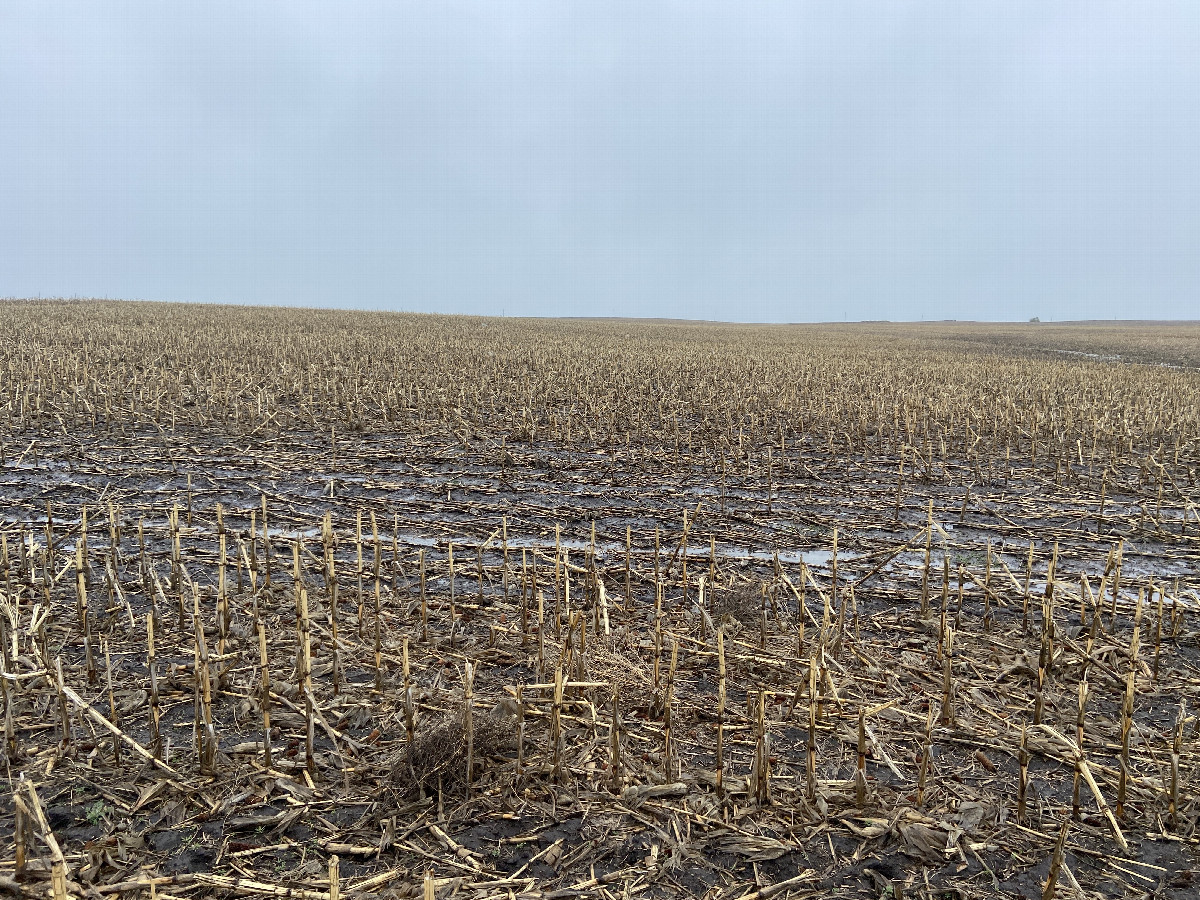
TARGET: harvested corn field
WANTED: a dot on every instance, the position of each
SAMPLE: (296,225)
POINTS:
(334,604)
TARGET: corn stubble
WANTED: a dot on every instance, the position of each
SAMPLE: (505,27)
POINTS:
(525,608)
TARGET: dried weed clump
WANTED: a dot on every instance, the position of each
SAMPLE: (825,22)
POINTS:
(437,759)
(743,604)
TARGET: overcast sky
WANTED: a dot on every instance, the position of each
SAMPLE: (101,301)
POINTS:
(793,161)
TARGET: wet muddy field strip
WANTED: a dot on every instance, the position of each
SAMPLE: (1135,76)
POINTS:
(922,659)
(560,635)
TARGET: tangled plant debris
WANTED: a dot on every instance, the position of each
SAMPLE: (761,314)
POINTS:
(323,604)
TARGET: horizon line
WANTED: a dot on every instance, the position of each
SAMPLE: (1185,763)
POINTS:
(666,320)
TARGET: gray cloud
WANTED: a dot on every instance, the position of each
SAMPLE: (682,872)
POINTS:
(773,161)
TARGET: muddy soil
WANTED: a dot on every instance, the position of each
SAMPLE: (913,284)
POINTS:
(658,553)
